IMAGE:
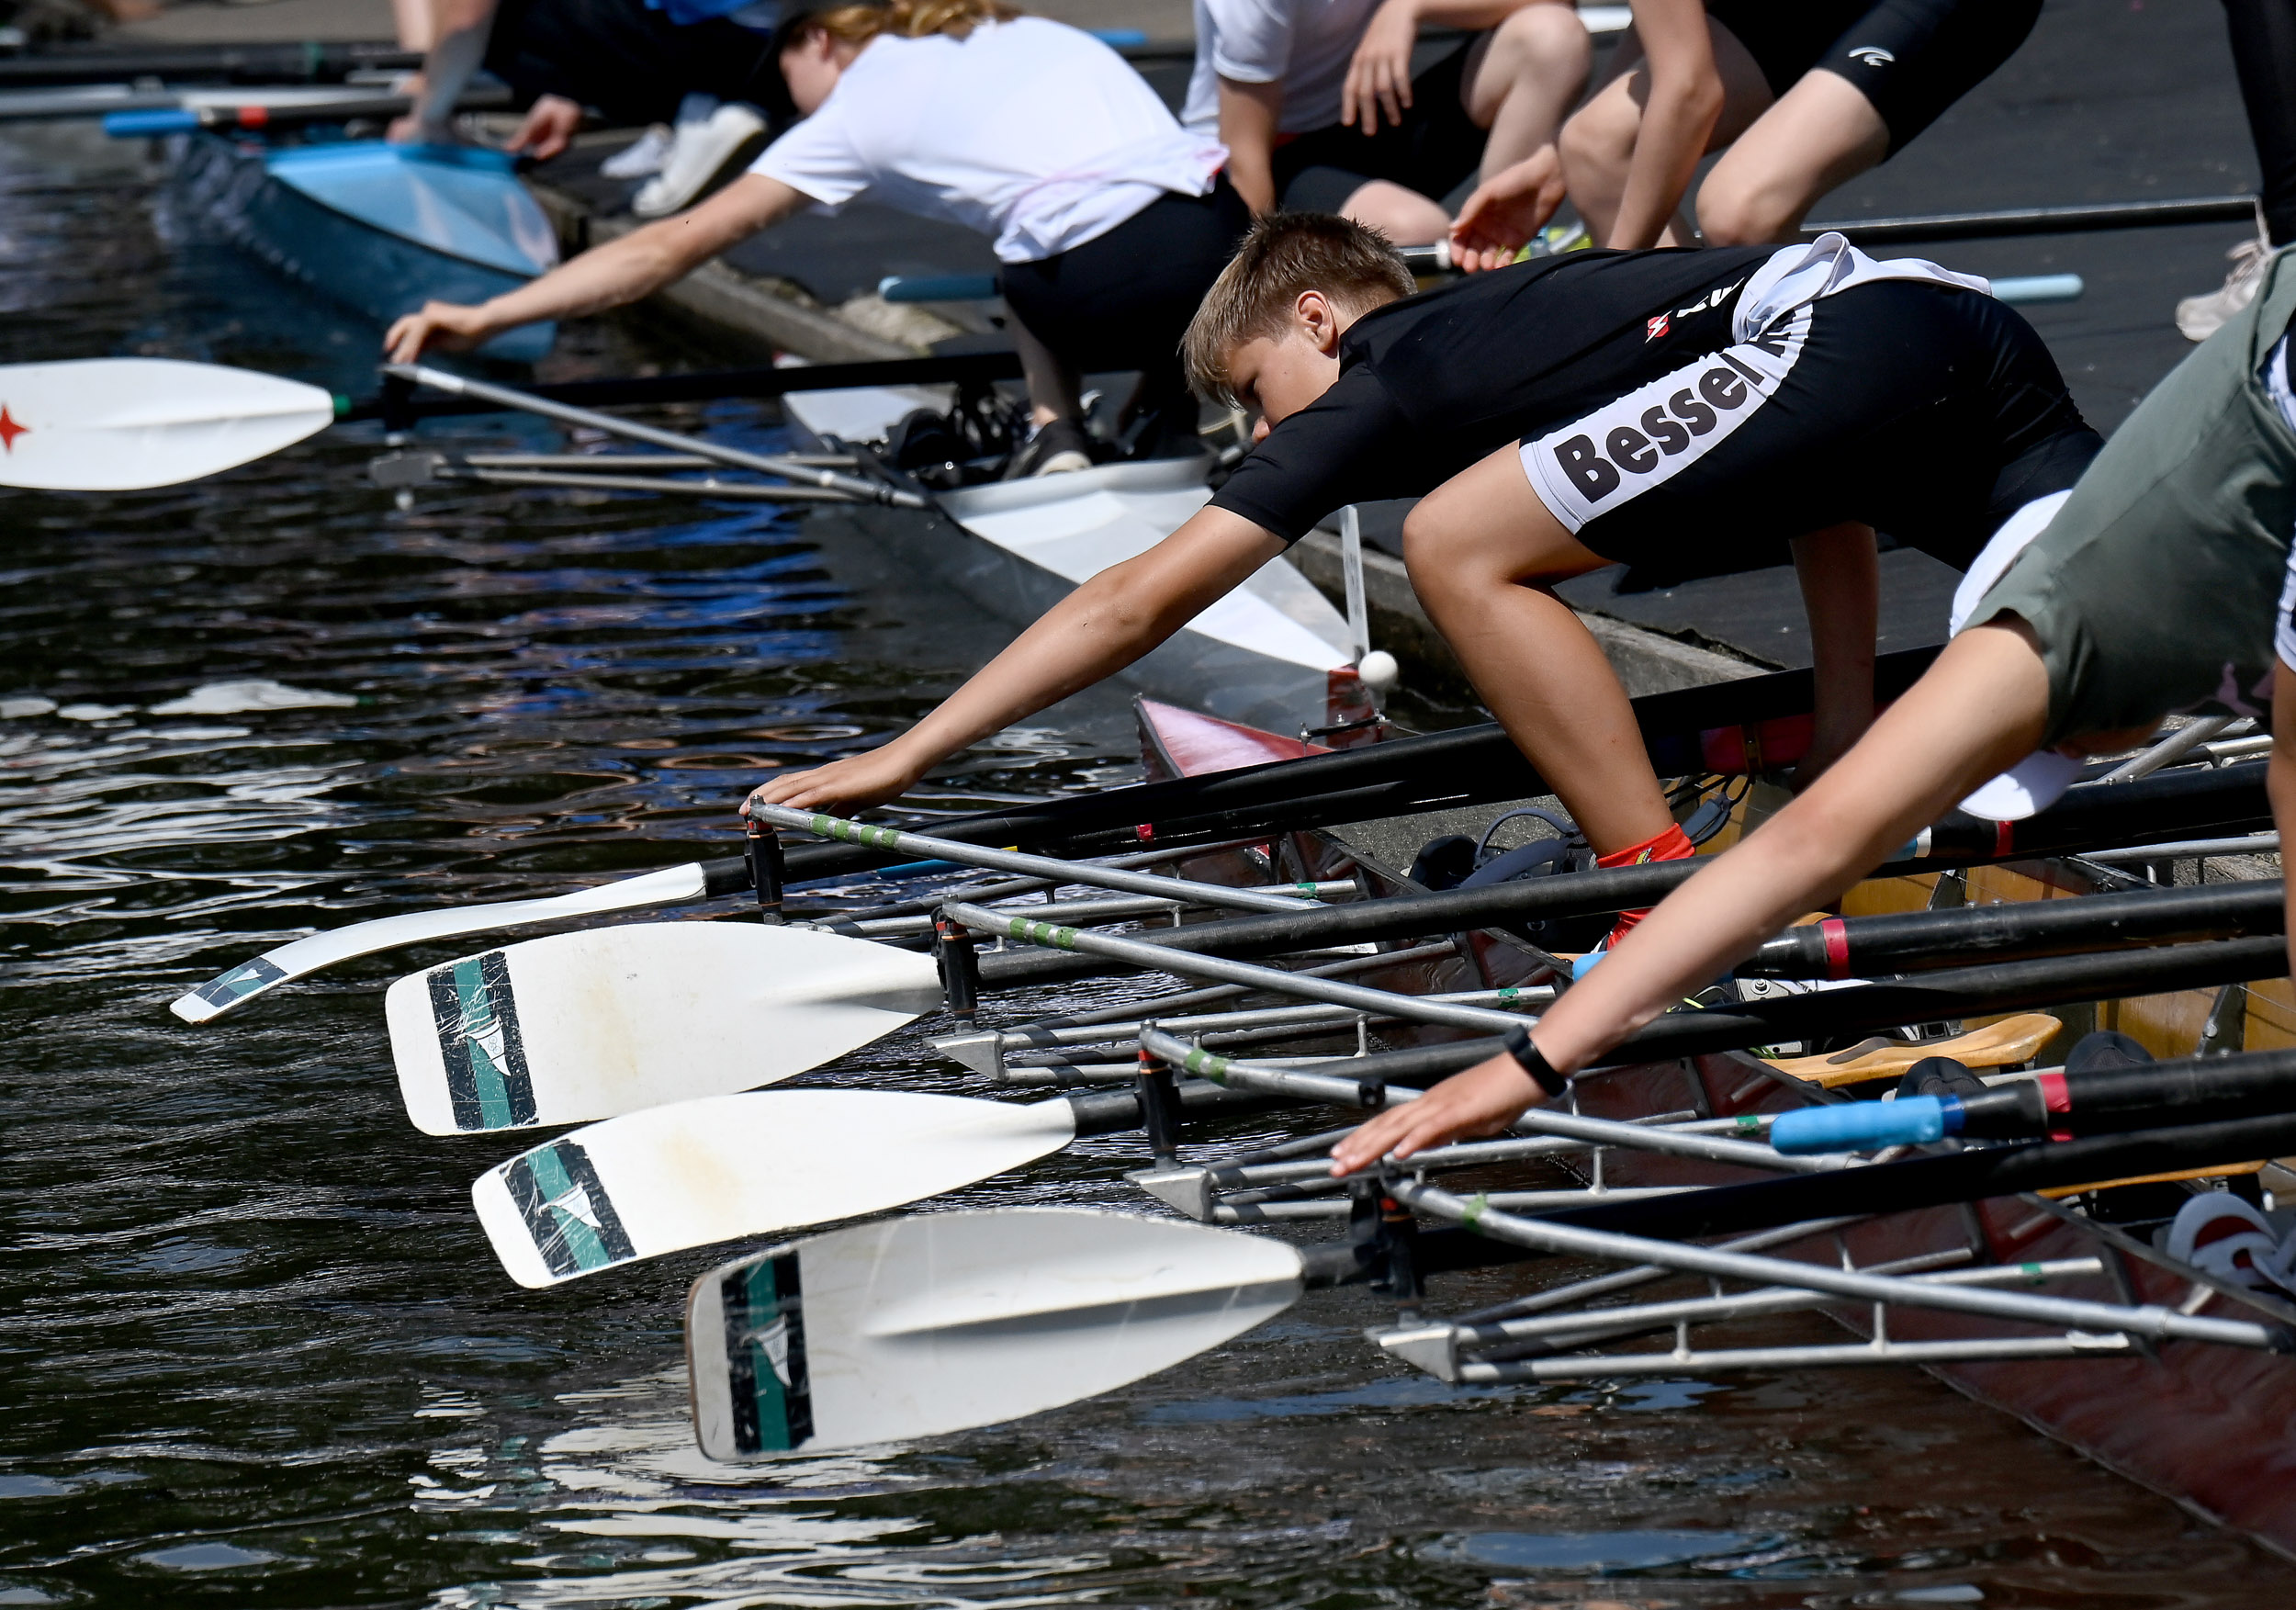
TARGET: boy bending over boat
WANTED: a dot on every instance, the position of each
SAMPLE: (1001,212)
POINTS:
(1688,412)
(1109,220)
(2150,588)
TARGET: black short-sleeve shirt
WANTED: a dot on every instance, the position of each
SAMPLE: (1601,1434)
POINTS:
(1429,385)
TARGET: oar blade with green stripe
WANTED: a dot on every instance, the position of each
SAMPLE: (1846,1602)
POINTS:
(585,1026)
(731,1166)
(935,1322)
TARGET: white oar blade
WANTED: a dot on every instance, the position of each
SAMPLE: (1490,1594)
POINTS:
(939,1321)
(226,993)
(672,1178)
(118,425)
(586,1026)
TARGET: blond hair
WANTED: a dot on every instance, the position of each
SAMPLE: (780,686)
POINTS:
(1284,255)
(908,19)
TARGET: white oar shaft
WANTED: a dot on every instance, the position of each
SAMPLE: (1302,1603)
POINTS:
(567,413)
(226,992)
(927,847)
(1570,1240)
(2169,749)
(1164,959)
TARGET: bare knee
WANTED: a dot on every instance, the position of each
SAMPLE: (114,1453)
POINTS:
(1732,214)
(1404,215)
(1434,555)
(1550,36)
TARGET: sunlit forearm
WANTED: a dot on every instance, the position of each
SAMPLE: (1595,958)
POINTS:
(1106,624)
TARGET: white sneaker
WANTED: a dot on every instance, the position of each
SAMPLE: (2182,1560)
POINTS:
(700,157)
(2198,317)
(642,158)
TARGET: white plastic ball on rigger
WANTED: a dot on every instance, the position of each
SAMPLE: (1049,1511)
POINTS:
(1378,670)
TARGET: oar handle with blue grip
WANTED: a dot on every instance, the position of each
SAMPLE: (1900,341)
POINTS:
(141,125)
(1866,1126)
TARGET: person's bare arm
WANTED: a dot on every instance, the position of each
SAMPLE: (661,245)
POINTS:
(2279,779)
(1378,77)
(460,46)
(1980,709)
(1678,119)
(620,272)
(1095,631)
(1839,571)
(1248,115)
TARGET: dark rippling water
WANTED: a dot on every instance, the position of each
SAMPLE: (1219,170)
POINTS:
(253,1350)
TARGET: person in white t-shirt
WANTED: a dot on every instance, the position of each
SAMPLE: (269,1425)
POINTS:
(1317,105)
(1110,220)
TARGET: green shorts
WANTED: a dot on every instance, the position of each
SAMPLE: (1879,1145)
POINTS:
(2154,588)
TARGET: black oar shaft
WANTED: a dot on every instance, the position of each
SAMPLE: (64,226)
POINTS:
(2113,1101)
(1964,992)
(1961,1177)
(1860,947)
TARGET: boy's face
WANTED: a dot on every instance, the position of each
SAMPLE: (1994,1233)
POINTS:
(1276,376)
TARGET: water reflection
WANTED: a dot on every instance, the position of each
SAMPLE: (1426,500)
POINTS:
(253,1351)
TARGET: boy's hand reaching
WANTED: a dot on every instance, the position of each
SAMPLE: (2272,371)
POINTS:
(1482,1102)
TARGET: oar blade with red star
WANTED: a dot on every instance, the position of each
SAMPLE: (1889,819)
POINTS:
(117,424)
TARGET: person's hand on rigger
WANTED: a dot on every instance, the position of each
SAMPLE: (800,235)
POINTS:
(1506,211)
(1482,1102)
(1378,78)
(549,128)
(843,787)
(439,327)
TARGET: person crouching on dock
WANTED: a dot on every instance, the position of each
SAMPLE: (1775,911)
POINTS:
(1690,413)
(1110,220)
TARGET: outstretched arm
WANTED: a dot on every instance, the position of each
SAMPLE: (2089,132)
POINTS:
(1980,709)
(1092,634)
(1684,103)
(623,271)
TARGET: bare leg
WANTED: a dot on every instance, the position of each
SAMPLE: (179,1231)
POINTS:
(1598,143)
(1821,133)
(1401,214)
(1524,75)
(1481,550)
(1840,576)
(1053,390)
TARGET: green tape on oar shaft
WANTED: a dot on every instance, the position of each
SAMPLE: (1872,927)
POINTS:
(854,833)
(1029,932)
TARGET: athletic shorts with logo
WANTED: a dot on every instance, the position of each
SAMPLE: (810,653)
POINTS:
(1930,412)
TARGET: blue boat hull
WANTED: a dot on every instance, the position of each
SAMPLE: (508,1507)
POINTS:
(371,271)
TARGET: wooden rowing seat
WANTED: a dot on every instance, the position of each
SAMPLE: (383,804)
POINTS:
(2005,1044)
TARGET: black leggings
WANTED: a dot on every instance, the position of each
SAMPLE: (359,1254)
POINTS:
(632,63)
(1122,300)
(2264,54)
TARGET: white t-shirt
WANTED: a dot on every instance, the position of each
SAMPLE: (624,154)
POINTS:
(1304,45)
(1032,132)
